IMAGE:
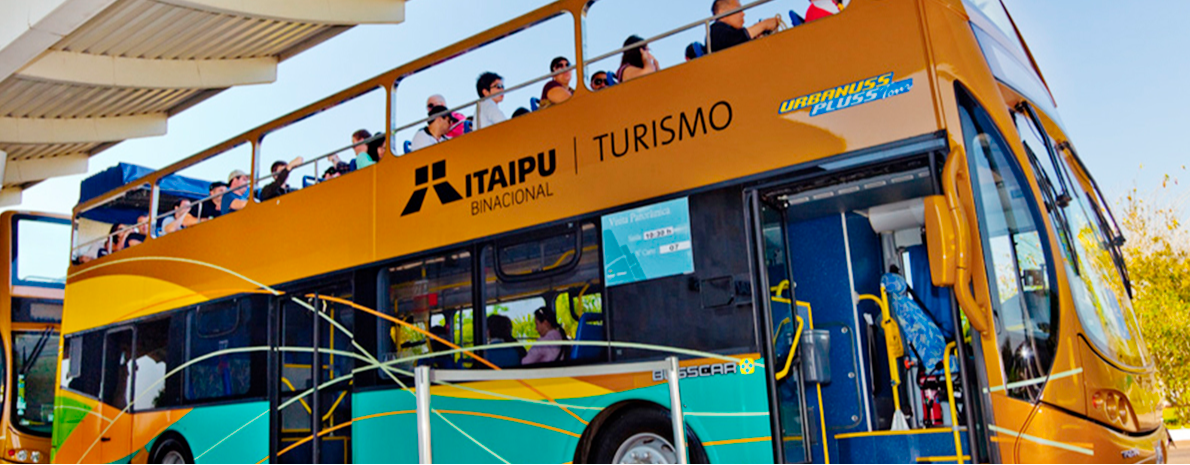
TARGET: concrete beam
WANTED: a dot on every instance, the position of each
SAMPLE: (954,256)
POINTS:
(30,27)
(10,196)
(23,171)
(110,71)
(80,130)
(328,12)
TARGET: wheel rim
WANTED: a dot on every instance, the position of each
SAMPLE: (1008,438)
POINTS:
(173,457)
(645,448)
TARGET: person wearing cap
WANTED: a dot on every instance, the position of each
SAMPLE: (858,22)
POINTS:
(456,129)
(236,196)
(435,129)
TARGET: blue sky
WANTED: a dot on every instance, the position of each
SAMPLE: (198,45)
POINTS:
(1113,72)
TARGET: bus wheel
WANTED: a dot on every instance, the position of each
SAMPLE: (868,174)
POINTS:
(171,450)
(642,435)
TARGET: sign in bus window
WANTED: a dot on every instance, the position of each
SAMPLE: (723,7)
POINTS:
(647,242)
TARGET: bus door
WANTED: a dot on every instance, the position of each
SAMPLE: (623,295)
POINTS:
(115,442)
(313,401)
(783,325)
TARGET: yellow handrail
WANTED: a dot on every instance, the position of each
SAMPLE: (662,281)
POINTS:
(797,337)
(954,415)
(892,340)
(826,453)
(777,290)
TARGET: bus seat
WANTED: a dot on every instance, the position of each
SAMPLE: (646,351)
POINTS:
(408,146)
(700,50)
(308,181)
(351,166)
(506,357)
(795,19)
(590,328)
(922,338)
(534,103)
(936,300)
(611,78)
(467,126)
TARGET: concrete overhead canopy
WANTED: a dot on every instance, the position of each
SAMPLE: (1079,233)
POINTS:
(78,76)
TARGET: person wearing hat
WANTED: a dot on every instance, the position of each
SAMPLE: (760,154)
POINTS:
(236,197)
(435,130)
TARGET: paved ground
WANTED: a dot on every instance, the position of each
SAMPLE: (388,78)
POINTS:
(1181,454)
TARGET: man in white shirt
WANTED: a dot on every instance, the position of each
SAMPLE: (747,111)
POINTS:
(435,129)
(488,112)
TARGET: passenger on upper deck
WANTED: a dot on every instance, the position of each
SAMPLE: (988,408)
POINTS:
(691,52)
(237,196)
(549,330)
(361,159)
(488,113)
(520,111)
(210,207)
(599,80)
(378,146)
(557,90)
(179,218)
(457,129)
(822,8)
(435,130)
(138,235)
(729,30)
(279,186)
(636,62)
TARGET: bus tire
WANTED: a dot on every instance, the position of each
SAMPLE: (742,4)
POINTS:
(171,448)
(642,435)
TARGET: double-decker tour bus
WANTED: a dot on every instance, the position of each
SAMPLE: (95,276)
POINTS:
(861,228)
(30,313)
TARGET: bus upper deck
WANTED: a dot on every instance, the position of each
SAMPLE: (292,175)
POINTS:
(792,148)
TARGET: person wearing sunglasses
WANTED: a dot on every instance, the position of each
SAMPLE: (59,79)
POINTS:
(437,100)
(557,90)
(599,80)
(548,329)
(637,61)
(488,112)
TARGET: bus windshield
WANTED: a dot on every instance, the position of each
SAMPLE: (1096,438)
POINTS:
(37,251)
(33,363)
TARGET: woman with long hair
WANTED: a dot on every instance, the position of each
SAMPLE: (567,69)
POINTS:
(549,330)
(637,61)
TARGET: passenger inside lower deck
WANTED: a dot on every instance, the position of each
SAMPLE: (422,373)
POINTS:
(548,329)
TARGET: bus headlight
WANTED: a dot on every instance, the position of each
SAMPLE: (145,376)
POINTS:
(22,455)
(36,456)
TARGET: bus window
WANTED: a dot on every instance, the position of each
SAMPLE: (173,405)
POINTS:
(111,226)
(1053,188)
(323,142)
(1099,296)
(1016,254)
(81,363)
(609,23)
(433,295)
(35,251)
(117,368)
(195,194)
(152,343)
(558,271)
(214,329)
(521,59)
(33,363)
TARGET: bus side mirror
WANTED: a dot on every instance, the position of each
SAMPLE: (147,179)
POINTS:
(941,241)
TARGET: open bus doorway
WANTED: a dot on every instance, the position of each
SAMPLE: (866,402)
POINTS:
(830,244)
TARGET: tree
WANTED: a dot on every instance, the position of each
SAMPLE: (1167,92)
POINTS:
(1158,258)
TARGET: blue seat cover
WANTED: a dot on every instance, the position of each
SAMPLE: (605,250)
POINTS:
(590,328)
(919,333)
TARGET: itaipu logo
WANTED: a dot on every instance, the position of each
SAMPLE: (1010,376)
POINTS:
(497,187)
(848,95)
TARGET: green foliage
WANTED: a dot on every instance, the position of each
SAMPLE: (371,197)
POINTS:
(1158,256)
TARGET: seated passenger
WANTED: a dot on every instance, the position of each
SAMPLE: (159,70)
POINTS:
(236,197)
(435,130)
(549,330)
(636,62)
(209,208)
(378,146)
(361,158)
(691,52)
(919,333)
(557,90)
(520,111)
(488,112)
(729,31)
(500,331)
(822,8)
(279,185)
(180,217)
(457,129)
(335,171)
(139,235)
(442,362)
(599,80)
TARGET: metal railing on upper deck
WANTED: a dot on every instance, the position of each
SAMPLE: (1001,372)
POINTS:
(390,81)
